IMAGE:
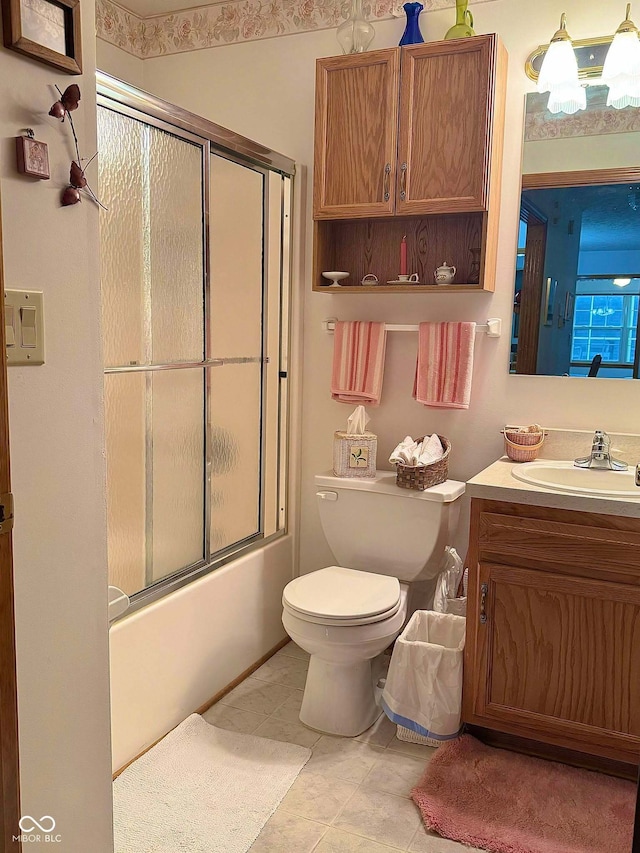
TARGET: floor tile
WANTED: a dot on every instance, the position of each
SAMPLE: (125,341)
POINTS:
(382,817)
(233,719)
(317,797)
(292,650)
(380,733)
(287,731)
(429,842)
(290,710)
(395,773)
(291,672)
(287,832)
(257,696)
(343,758)
(338,841)
(418,750)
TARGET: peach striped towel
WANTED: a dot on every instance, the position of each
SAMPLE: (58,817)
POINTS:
(445,364)
(358,362)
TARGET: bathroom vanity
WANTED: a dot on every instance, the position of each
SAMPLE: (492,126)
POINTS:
(552,659)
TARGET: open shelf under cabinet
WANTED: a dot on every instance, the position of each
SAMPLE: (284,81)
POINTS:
(363,246)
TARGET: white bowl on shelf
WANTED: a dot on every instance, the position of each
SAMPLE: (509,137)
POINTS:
(335,277)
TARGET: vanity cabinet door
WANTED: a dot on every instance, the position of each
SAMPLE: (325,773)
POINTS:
(448,114)
(356,135)
(556,659)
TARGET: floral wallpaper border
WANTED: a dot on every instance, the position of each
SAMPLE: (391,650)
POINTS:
(232,22)
(597,120)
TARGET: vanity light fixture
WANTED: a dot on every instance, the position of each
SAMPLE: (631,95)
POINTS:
(622,282)
(621,72)
(559,74)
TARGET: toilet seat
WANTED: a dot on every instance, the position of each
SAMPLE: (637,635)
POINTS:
(342,597)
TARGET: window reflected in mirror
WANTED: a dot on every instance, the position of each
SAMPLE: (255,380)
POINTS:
(577,284)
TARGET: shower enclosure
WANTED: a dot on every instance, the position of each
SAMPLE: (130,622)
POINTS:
(195,285)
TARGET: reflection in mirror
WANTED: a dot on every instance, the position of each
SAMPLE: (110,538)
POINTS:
(578,263)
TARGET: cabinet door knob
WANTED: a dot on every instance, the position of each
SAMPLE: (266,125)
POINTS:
(403,181)
(387,173)
(484,591)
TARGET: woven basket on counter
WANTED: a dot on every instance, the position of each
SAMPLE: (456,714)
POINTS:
(421,477)
(523,446)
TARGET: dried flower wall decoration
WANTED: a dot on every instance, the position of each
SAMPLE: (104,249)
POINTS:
(62,109)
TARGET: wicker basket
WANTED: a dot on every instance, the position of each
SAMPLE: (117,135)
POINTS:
(421,477)
(522,446)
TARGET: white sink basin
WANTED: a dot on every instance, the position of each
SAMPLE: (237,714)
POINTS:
(565,477)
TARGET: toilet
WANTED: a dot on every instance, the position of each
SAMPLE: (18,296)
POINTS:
(389,546)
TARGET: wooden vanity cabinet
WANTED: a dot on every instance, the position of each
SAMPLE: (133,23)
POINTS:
(553,628)
(409,141)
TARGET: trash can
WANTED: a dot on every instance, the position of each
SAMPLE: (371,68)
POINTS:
(423,690)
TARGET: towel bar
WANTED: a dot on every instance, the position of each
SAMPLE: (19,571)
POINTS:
(493,327)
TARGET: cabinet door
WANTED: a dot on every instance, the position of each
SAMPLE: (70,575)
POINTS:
(356,134)
(446,106)
(557,659)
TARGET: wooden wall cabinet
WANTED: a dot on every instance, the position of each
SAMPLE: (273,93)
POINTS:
(407,140)
(553,628)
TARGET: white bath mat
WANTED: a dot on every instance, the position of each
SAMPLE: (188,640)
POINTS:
(203,790)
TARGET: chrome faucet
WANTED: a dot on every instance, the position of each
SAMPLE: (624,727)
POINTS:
(600,456)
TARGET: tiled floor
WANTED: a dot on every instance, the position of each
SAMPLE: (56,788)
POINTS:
(352,796)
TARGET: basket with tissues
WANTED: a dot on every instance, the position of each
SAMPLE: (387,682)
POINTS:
(522,444)
(422,463)
(354,450)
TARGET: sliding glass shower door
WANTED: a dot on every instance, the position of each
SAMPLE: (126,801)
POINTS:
(194,274)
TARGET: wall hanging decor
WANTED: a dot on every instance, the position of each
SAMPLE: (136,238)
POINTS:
(463,27)
(356,33)
(412,34)
(46,30)
(62,109)
(32,156)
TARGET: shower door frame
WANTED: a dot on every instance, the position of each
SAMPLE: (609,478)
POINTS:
(214,140)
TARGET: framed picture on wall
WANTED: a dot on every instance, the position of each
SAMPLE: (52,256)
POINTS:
(46,30)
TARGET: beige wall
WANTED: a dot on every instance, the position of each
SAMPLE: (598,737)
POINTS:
(264,89)
(58,469)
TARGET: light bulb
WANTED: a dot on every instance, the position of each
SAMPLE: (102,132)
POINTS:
(622,282)
(621,72)
(559,74)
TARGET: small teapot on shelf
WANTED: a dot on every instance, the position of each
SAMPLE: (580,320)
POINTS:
(444,274)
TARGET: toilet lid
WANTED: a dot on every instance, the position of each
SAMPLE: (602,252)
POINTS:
(338,593)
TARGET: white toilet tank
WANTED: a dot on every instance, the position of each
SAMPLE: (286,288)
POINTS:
(375,526)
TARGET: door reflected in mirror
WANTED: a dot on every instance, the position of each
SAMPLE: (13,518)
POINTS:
(577,287)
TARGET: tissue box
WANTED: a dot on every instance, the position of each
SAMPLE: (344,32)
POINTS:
(354,455)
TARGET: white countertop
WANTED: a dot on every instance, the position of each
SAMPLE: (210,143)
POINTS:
(497,483)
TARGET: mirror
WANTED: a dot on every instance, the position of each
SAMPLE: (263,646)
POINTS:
(577,285)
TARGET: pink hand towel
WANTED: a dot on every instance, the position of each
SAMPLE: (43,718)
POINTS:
(445,364)
(358,362)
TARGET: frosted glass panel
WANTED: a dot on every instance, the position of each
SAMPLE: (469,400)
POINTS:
(235,458)
(125,446)
(176,251)
(178,476)
(121,171)
(236,217)
(152,243)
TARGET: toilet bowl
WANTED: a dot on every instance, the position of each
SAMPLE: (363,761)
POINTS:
(340,695)
(390,543)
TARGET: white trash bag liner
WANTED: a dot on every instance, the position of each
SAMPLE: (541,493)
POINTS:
(423,690)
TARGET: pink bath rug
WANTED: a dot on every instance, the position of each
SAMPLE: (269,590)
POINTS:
(509,803)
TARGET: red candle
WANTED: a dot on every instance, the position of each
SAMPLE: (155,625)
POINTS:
(403,256)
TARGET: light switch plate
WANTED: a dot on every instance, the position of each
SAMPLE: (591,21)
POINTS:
(28,346)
